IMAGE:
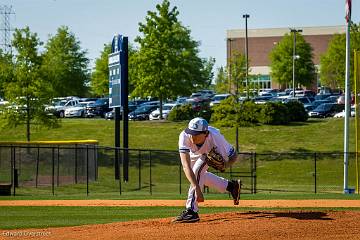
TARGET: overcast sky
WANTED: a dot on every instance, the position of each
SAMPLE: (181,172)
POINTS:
(94,22)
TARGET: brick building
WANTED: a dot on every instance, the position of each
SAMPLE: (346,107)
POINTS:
(261,42)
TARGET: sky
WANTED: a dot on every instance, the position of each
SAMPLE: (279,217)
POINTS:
(95,22)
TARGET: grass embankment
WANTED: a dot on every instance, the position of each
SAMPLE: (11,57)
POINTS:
(313,135)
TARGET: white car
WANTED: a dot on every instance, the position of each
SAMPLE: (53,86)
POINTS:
(76,111)
(218,97)
(155,115)
(342,114)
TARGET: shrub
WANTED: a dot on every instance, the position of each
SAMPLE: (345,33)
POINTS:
(224,114)
(181,113)
(248,113)
(187,112)
(274,114)
(296,111)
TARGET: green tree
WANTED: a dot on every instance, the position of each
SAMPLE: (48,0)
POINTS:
(27,92)
(281,58)
(332,62)
(100,76)
(65,64)
(221,81)
(6,71)
(167,64)
(237,70)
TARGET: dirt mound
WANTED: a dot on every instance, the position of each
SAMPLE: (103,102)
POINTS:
(235,225)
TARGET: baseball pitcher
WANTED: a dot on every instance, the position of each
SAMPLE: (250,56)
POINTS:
(201,146)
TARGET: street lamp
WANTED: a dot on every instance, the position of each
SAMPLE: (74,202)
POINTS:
(230,63)
(294,31)
(246,16)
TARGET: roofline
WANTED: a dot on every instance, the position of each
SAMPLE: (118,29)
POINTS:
(279,32)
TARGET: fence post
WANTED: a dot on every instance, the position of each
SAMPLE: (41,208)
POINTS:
(117,165)
(37,167)
(150,173)
(58,166)
(254,172)
(315,173)
(13,170)
(53,170)
(87,170)
(76,164)
(139,162)
(95,152)
(180,171)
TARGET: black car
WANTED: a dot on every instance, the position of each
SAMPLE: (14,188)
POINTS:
(142,113)
(99,108)
(111,115)
(326,110)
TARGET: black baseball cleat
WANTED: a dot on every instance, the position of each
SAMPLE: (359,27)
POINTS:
(187,216)
(235,192)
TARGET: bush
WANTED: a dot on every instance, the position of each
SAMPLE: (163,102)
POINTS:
(248,113)
(274,114)
(181,113)
(187,112)
(296,111)
(224,114)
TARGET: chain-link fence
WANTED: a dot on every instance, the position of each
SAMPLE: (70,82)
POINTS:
(82,168)
(312,172)
(37,165)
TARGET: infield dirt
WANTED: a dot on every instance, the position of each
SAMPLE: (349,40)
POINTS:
(264,224)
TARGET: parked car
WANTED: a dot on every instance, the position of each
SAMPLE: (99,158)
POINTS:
(60,105)
(207,94)
(167,107)
(142,113)
(181,100)
(218,98)
(342,114)
(304,100)
(99,108)
(111,114)
(76,111)
(319,102)
(325,110)
(198,104)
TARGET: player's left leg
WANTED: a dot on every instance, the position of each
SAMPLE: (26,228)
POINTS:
(222,185)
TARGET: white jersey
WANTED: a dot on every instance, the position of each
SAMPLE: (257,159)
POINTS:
(214,140)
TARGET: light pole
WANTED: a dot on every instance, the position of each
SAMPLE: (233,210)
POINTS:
(294,31)
(246,16)
(230,63)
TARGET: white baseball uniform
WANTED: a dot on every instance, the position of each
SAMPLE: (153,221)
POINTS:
(214,140)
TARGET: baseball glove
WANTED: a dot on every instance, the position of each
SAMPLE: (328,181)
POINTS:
(215,160)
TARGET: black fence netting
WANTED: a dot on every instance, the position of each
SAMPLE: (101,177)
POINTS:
(304,172)
(90,169)
(36,166)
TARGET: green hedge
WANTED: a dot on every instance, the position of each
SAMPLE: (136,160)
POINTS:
(230,113)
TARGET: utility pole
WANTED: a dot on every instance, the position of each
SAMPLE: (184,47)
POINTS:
(294,32)
(6,12)
(246,16)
